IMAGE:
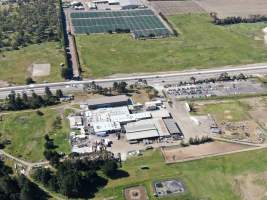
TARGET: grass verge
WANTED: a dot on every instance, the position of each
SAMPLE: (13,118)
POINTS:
(200,44)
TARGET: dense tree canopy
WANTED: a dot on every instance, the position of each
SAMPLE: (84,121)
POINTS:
(29,21)
(17,188)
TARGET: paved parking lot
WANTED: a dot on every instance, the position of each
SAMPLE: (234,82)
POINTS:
(215,89)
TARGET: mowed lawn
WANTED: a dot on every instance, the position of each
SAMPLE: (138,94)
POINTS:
(199,45)
(209,179)
(232,111)
(26,131)
(15,65)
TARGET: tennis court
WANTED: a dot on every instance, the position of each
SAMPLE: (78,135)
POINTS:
(142,23)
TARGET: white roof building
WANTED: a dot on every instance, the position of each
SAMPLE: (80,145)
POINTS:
(162,113)
(129,4)
(106,127)
(146,129)
(75,122)
(77,149)
(142,135)
(113,2)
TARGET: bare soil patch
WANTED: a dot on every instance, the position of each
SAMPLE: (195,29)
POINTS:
(251,186)
(41,70)
(226,8)
(177,7)
(258,110)
(135,193)
(4,83)
(173,154)
(246,131)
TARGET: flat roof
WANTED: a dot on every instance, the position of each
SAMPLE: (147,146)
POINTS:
(139,127)
(107,100)
(129,2)
(142,135)
(75,120)
(106,126)
(162,113)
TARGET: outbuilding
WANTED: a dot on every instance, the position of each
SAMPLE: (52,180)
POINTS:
(129,4)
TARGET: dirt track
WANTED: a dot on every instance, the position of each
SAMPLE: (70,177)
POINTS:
(172,154)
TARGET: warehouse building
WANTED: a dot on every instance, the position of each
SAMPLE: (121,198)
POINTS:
(173,127)
(146,129)
(108,115)
(104,102)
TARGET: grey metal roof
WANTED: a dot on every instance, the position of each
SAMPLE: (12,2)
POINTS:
(172,126)
(107,100)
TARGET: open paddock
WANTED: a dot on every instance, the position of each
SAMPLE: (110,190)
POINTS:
(226,8)
(177,7)
(179,154)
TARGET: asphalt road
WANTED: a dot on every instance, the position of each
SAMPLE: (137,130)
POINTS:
(153,79)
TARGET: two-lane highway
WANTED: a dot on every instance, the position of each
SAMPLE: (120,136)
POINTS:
(157,78)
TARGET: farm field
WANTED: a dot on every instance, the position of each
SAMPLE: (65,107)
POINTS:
(229,110)
(199,45)
(228,172)
(15,66)
(226,8)
(26,131)
(177,7)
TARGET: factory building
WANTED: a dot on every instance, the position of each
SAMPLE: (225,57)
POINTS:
(133,122)
(104,102)
(173,127)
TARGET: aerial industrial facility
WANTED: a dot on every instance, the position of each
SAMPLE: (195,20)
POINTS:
(118,115)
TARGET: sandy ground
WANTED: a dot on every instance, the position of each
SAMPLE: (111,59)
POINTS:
(251,186)
(258,110)
(194,151)
(225,8)
(41,70)
(4,84)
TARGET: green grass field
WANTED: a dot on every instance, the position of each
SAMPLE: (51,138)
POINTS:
(14,65)
(226,111)
(209,179)
(26,131)
(199,45)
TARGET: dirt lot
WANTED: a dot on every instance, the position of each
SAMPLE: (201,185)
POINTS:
(225,8)
(176,7)
(258,110)
(173,154)
(251,186)
(135,193)
(243,119)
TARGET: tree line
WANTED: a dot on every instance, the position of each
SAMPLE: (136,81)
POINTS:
(18,187)
(29,22)
(75,176)
(20,102)
(237,19)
